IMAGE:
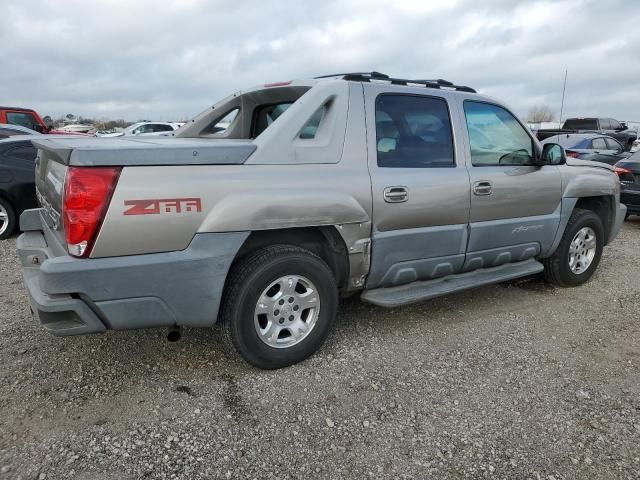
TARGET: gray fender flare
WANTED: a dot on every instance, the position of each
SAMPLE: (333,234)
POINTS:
(567,204)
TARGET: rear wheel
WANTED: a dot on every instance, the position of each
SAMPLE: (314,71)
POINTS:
(579,252)
(279,305)
(7,219)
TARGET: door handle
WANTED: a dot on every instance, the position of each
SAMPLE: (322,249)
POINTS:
(396,194)
(482,188)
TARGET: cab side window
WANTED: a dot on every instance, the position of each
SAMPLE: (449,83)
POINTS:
(22,119)
(496,137)
(413,132)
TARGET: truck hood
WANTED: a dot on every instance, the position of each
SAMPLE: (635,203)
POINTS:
(576,162)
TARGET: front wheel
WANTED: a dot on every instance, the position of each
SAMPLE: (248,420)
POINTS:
(578,255)
(279,304)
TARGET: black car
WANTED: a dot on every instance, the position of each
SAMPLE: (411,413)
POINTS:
(629,172)
(17,182)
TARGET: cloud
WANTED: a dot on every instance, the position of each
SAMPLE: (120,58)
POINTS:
(170,60)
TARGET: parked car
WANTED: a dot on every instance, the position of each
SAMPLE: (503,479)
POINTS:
(13,130)
(17,181)
(356,183)
(604,126)
(26,117)
(144,128)
(590,146)
(635,147)
(629,172)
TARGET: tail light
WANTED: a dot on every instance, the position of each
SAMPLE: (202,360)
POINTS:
(87,194)
(625,175)
(571,153)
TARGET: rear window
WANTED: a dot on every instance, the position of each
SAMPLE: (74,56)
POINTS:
(581,124)
(265,115)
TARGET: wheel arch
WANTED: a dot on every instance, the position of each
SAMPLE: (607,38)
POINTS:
(604,207)
(9,198)
(324,241)
(601,205)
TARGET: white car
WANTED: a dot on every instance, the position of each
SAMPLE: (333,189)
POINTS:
(635,146)
(145,129)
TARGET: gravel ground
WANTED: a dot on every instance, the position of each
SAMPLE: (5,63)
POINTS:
(509,381)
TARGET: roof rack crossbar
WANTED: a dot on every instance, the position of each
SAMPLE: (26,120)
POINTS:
(368,76)
(356,74)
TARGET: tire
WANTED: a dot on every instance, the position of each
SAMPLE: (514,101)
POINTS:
(557,269)
(259,316)
(7,219)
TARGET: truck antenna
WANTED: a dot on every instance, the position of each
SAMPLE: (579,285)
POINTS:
(564,89)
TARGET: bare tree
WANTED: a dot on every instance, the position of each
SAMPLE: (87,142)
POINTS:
(540,113)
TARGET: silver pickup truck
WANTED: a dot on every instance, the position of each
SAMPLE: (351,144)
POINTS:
(267,207)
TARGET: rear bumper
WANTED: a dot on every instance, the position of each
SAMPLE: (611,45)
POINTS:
(73,296)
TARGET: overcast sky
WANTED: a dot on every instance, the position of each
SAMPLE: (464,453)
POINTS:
(168,60)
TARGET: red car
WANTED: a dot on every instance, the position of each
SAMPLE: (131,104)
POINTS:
(28,118)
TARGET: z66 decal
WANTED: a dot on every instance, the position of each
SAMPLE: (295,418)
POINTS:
(156,206)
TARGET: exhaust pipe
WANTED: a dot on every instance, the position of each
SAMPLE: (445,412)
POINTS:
(174,334)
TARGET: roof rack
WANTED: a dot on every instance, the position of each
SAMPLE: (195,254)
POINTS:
(368,76)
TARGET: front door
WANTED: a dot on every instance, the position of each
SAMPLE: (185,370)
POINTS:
(420,189)
(515,203)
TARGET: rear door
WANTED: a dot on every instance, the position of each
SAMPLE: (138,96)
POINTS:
(515,204)
(420,187)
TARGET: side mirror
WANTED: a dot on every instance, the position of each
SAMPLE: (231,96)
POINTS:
(553,154)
